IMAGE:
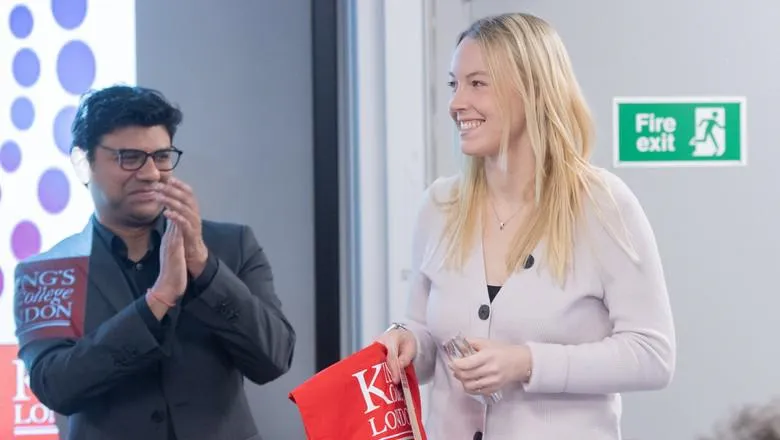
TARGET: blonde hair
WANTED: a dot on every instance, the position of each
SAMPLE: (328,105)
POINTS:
(526,57)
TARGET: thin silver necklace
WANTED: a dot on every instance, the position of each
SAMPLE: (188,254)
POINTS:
(503,223)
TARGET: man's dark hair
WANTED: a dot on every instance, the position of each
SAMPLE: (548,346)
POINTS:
(103,111)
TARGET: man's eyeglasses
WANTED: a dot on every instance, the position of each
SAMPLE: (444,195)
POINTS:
(132,160)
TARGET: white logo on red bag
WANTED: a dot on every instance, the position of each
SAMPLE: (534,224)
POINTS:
(381,394)
(31,418)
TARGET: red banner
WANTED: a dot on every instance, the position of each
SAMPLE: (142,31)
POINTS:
(22,416)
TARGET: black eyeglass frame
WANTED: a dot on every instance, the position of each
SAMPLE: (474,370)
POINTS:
(121,152)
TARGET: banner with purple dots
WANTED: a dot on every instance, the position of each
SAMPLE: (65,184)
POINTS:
(53,50)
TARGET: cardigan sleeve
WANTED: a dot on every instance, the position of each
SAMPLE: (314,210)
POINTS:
(640,353)
(420,285)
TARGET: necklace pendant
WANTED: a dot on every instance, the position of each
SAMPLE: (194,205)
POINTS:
(501,226)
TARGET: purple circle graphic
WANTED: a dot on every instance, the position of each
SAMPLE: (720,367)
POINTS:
(21,21)
(22,113)
(1,281)
(62,134)
(69,13)
(26,67)
(10,156)
(25,240)
(76,67)
(53,191)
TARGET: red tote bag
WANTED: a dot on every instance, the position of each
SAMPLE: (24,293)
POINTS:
(355,399)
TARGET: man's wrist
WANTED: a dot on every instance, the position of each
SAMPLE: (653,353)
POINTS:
(161,297)
(198,264)
(159,302)
(162,294)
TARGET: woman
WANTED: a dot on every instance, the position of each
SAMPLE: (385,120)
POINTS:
(544,262)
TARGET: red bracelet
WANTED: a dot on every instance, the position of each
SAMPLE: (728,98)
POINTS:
(158,298)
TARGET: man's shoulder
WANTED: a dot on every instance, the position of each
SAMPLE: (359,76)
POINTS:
(220,232)
(228,240)
(71,246)
(222,226)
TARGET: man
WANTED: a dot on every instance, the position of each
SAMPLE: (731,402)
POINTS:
(177,310)
(754,421)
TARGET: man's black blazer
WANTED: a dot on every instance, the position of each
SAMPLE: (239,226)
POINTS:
(120,381)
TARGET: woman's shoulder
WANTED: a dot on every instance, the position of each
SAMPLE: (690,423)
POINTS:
(443,191)
(436,199)
(613,210)
(613,197)
(444,188)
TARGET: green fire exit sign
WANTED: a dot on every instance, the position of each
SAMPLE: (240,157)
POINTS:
(675,131)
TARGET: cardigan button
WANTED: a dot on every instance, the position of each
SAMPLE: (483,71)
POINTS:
(484,312)
(529,262)
(478,435)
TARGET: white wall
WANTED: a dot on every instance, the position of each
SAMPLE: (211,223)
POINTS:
(449,19)
(390,107)
(399,122)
